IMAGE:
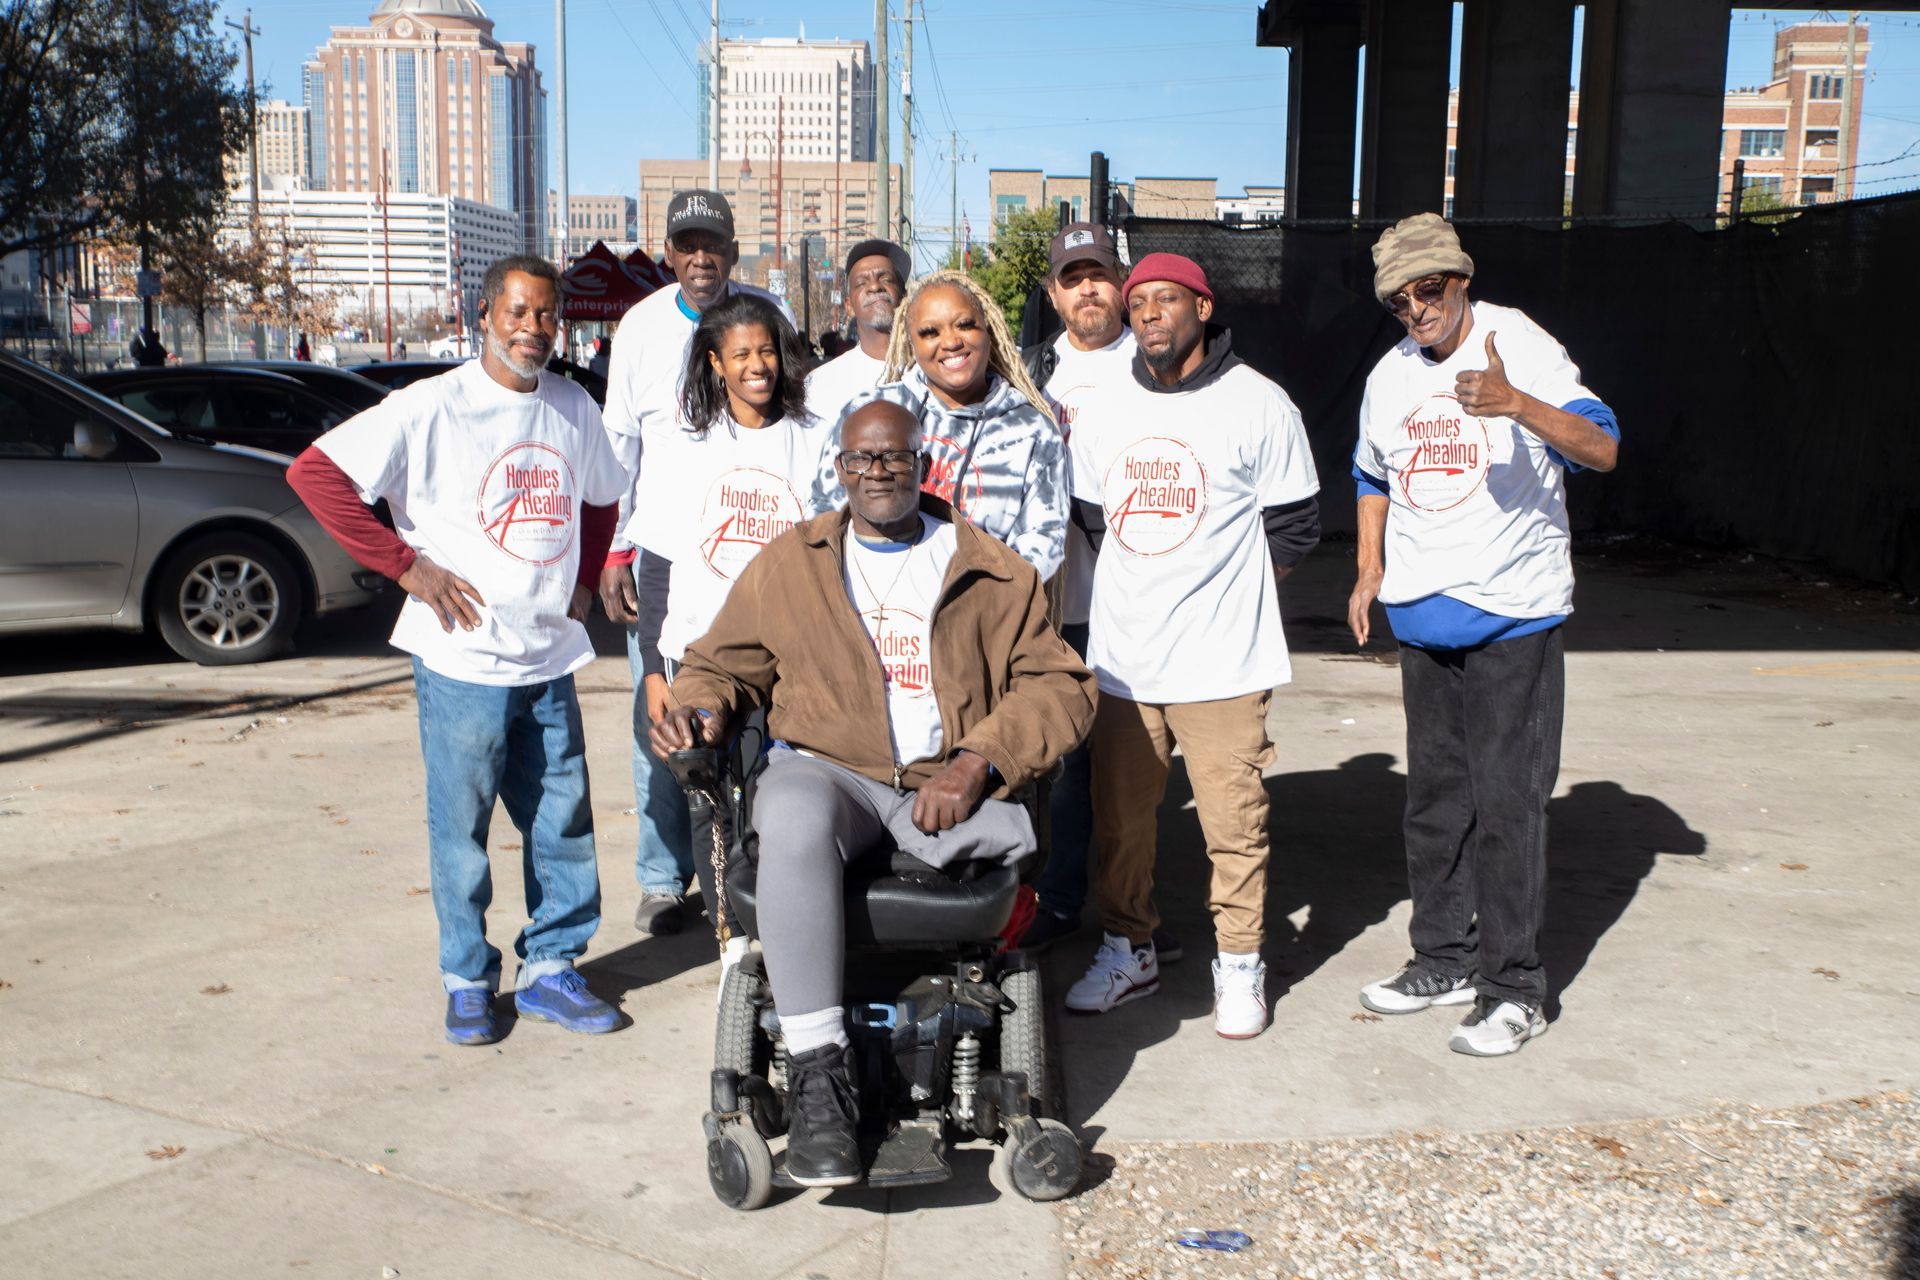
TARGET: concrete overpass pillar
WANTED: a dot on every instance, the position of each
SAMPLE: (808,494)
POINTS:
(1322,94)
(1652,87)
(1516,68)
(1403,131)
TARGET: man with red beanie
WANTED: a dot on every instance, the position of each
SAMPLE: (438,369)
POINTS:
(1194,478)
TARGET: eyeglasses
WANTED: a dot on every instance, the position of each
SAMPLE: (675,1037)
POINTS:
(1428,292)
(899,461)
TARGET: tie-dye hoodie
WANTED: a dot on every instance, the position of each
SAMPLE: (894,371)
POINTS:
(1013,458)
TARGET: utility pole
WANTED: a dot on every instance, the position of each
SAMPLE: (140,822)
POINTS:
(906,129)
(713,104)
(882,108)
(953,185)
(560,122)
(779,177)
(247,32)
(140,175)
(1843,178)
(386,250)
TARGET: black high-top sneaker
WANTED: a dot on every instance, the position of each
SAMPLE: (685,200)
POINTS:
(823,1116)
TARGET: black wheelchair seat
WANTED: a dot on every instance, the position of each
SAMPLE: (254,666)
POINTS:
(898,900)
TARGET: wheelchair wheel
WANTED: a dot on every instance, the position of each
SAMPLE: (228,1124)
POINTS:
(740,1168)
(734,1031)
(739,1047)
(1023,1038)
(1044,1167)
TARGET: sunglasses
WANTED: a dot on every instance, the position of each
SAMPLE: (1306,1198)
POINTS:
(1428,292)
(899,461)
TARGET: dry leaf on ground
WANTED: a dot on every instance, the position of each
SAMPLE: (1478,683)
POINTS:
(165,1153)
(217,989)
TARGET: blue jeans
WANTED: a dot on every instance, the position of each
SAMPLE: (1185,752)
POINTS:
(524,747)
(1062,888)
(664,860)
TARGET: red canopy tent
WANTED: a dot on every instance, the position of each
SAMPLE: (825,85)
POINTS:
(598,286)
(655,275)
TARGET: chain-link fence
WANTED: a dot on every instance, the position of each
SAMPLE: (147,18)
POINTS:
(1763,373)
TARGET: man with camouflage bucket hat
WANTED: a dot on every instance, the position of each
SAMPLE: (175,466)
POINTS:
(1467,430)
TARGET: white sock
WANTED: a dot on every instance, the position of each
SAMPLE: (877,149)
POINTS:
(734,952)
(1239,959)
(805,1031)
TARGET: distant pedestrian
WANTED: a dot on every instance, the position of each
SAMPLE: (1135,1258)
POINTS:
(501,479)
(301,351)
(1461,468)
(146,349)
(602,356)
(400,349)
(1196,476)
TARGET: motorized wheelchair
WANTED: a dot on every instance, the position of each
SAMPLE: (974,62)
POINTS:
(948,1029)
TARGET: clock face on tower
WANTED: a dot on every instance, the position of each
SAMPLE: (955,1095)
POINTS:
(403,28)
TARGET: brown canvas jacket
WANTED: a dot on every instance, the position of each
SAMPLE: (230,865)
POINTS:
(788,639)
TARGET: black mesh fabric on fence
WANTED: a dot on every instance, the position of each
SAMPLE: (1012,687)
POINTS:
(1765,380)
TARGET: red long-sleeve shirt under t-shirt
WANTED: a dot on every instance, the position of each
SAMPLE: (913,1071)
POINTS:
(330,494)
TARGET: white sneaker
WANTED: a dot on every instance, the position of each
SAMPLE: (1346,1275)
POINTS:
(1414,988)
(1120,972)
(1239,998)
(1497,1028)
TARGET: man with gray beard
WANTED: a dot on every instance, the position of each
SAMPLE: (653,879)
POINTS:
(877,272)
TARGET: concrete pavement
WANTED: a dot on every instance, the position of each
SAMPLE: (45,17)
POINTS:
(219,1041)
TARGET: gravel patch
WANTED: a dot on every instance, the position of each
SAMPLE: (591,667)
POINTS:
(1827,1190)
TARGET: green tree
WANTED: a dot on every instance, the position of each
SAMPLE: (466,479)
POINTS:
(115,117)
(1017,260)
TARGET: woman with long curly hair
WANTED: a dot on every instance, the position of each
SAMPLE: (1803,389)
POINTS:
(997,454)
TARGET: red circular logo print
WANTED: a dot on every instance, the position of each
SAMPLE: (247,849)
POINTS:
(1155,494)
(1449,454)
(746,508)
(526,503)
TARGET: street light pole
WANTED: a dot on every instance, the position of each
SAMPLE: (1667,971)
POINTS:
(713,103)
(560,111)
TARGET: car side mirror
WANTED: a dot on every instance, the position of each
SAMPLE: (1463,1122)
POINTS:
(92,440)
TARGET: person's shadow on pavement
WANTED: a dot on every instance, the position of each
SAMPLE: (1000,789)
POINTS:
(1336,854)
(1602,841)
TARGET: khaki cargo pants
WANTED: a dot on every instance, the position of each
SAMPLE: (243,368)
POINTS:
(1226,747)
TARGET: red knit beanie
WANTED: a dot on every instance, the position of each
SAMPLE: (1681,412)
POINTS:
(1168,266)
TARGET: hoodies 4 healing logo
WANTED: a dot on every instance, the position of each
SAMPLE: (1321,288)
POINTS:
(526,503)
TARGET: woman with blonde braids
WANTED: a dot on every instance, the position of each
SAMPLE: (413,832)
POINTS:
(996,453)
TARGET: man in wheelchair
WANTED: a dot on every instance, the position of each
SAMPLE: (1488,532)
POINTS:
(913,688)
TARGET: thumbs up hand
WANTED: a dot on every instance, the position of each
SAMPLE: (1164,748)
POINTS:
(1487,393)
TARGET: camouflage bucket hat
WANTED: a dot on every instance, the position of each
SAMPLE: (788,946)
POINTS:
(1415,247)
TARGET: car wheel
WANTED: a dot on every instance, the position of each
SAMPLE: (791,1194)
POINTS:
(227,598)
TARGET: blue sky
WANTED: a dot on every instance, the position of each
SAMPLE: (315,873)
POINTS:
(1164,87)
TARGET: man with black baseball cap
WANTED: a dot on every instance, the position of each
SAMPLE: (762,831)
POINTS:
(877,272)
(643,400)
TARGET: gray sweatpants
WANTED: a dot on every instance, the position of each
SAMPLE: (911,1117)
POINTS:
(813,819)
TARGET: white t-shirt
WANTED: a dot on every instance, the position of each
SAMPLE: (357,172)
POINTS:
(710,502)
(487,483)
(1074,378)
(1184,603)
(643,380)
(894,590)
(838,381)
(1478,506)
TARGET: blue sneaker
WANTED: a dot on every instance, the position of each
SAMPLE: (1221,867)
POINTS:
(563,998)
(470,1017)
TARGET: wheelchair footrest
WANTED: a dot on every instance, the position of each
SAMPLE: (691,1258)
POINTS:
(913,1155)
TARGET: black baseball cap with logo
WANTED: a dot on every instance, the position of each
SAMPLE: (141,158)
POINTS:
(1083,242)
(699,210)
(882,248)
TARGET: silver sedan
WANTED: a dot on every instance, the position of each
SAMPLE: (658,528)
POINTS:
(106,521)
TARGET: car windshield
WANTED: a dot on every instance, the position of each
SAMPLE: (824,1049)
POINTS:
(115,410)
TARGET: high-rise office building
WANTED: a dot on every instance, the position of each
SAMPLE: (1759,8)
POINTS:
(813,99)
(428,93)
(283,147)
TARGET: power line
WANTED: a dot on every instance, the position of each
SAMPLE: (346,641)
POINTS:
(638,48)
